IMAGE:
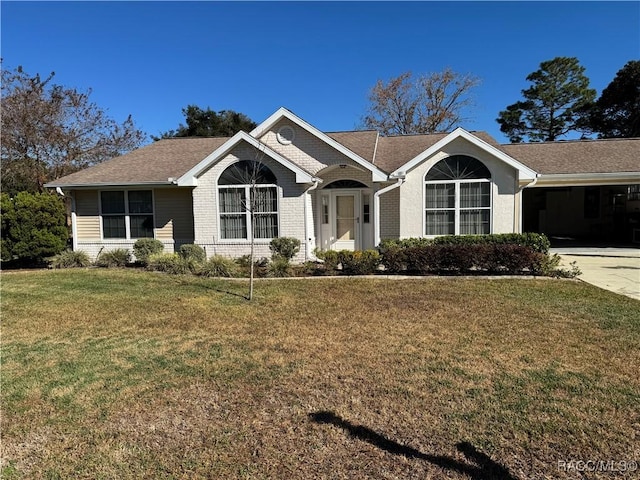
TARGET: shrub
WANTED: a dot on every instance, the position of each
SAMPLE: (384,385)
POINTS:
(394,252)
(284,247)
(329,258)
(404,243)
(168,263)
(120,257)
(260,265)
(536,241)
(71,259)
(279,267)
(193,253)
(359,262)
(33,227)
(474,258)
(219,266)
(145,247)
(549,265)
(457,253)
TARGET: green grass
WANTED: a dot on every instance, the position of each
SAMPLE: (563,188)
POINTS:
(126,374)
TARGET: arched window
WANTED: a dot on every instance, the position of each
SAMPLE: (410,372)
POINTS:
(246,187)
(458,197)
(346,184)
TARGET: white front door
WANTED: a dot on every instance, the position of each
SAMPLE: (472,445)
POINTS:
(346,221)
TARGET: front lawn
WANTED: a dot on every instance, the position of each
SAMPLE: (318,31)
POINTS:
(121,374)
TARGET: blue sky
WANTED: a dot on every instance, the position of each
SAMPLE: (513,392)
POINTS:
(151,59)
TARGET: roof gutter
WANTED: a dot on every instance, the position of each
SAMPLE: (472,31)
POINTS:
(400,176)
(68,186)
(578,179)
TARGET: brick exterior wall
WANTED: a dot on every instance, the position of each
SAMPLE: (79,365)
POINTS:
(206,216)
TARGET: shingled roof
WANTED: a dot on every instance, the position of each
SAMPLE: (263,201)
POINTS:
(579,156)
(154,163)
(362,143)
(171,158)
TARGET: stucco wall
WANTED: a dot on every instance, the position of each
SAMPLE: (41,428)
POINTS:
(503,177)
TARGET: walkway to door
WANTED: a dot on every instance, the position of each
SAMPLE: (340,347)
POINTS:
(610,268)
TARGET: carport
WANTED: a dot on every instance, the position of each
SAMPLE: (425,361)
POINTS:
(587,191)
(593,214)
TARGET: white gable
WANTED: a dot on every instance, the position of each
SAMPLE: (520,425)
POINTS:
(191,177)
(525,173)
(377,175)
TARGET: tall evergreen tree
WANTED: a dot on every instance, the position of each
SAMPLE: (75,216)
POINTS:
(616,114)
(554,105)
(208,123)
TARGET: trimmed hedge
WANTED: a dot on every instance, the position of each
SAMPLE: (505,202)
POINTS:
(359,262)
(474,258)
(536,241)
(395,252)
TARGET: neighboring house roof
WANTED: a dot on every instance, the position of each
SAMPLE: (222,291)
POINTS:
(579,156)
(156,163)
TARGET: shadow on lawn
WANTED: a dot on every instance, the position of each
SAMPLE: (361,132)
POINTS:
(482,468)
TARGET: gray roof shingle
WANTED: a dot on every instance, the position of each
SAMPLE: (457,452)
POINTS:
(157,162)
(578,156)
(154,163)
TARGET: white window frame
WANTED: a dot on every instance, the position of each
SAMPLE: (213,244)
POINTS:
(127,215)
(247,192)
(456,208)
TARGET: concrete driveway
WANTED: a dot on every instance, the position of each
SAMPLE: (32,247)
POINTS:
(614,269)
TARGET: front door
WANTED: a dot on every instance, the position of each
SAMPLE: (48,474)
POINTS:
(345,221)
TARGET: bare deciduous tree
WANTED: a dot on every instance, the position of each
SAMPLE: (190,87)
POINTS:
(434,102)
(252,173)
(49,131)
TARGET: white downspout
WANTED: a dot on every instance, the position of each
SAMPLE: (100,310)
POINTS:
(521,213)
(376,206)
(307,233)
(74,224)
